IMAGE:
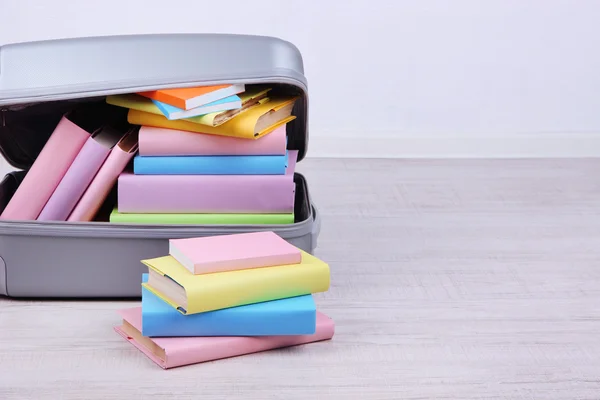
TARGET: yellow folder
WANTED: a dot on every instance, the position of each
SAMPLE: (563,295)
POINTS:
(252,124)
(252,97)
(220,290)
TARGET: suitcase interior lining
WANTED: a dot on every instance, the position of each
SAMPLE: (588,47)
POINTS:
(25,128)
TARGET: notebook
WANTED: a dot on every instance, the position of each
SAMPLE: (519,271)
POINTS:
(252,124)
(192,294)
(192,97)
(81,172)
(103,182)
(205,255)
(171,112)
(201,219)
(210,165)
(172,142)
(293,316)
(179,351)
(250,98)
(181,194)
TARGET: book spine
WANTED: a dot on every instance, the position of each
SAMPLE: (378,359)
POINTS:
(200,351)
(263,284)
(202,219)
(238,323)
(209,165)
(75,181)
(101,185)
(205,194)
(248,263)
(171,142)
(45,174)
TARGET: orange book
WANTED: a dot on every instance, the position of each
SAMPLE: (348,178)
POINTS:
(188,98)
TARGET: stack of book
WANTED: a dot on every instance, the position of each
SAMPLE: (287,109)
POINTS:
(229,166)
(223,296)
(78,166)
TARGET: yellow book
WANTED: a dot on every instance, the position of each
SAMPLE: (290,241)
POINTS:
(251,124)
(252,97)
(192,294)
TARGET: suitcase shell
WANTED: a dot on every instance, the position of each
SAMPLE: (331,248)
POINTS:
(98,259)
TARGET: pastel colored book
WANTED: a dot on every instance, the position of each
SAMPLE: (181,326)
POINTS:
(201,219)
(205,255)
(210,165)
(192,97)
(192,294)
(81,173)
(243,194)
(252,124)
(52,163)
(292,316)
(106,178)
(252,97)
(172,142)
(226,104)
(171,352)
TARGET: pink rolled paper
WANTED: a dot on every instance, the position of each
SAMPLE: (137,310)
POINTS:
(171,142)
(173,194)
(180,351)
(46,172)
(97,191)
(76,180)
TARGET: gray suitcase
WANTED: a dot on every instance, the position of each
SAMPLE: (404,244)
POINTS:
(40,80)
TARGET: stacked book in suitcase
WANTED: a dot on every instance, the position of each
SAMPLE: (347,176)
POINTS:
(40,82)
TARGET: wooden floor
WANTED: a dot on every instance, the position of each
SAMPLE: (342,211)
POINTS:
(450,280)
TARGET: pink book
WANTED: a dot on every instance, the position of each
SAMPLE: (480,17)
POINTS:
(171,142)
(170,352)
(45,174)
(173,194)
(80,174)
(99,188)
(205,255)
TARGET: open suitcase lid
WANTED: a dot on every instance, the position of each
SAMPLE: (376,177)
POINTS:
(40,80)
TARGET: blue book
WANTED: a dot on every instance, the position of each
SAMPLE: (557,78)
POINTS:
(210,165)
(171,112)
(291,316)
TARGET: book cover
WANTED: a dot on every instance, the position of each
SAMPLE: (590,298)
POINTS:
(80,174)
(174,352)
(201,219)
(192,97)
(245,194)
(210,165)
(172,113)
(103,182)
(252,97)
(252,124)
(205,255)
(173,142)
(46,172)
(194,294)
(292,316)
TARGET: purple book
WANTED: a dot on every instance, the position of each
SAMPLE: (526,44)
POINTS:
(79,175)
(173,194)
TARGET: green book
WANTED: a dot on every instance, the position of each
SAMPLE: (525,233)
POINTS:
(201,219)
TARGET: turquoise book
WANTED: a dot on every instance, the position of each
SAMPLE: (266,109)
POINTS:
(210,165)
(291,316)
(173,113)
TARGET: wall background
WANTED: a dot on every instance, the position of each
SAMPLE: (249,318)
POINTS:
(423,78)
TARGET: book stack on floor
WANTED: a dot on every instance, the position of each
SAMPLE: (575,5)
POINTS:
(230,166)
(224,296)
